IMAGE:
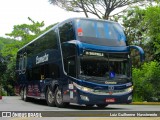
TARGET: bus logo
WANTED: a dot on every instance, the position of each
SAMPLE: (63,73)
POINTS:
(42,59)
(110,88)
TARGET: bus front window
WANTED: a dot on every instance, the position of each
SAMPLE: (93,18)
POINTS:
(104,68)
(100,33)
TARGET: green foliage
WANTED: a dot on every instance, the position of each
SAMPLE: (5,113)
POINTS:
(4,41)
(134,26)
(146,81)
(152,19)
(27,32)
(4,93)
(142,28)
(24,33)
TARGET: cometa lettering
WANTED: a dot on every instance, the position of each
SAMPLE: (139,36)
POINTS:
(42,59)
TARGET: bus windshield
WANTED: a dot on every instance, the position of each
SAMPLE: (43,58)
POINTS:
(100,32)
(102,65)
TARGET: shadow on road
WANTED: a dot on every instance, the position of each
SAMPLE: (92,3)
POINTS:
(76,106)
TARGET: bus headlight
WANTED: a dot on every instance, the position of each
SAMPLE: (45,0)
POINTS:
(86,89)
(129,89)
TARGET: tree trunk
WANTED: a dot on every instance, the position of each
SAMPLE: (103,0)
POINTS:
(85,12)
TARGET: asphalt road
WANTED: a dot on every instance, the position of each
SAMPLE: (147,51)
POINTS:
(16,105)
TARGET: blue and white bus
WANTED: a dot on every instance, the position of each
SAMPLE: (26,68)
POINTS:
(82,61)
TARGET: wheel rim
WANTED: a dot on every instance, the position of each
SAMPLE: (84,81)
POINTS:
(21,94)
(24,94)
(59,97)
(50,97)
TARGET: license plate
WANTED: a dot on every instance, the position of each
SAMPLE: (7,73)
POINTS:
(110,100)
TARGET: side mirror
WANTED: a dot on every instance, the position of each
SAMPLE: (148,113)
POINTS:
(141,52)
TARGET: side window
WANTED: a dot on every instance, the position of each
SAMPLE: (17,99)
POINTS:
(69,59)
(36,73)
(22,63)
(43,72)
(47,41)
(66,32)
(50,71)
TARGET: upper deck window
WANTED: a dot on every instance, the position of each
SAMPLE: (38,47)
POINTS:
(100,32)
(66,32)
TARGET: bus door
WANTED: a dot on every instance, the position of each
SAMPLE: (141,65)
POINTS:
(70,68)
(69,59)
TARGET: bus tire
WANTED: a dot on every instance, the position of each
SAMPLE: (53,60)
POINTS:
(58,98)
(25,94)
(22,94)
(101,105)
(89,105)
(50,97)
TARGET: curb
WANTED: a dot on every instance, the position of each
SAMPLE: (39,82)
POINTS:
(145,103)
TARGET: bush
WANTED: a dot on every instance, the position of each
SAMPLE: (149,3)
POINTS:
(146,81)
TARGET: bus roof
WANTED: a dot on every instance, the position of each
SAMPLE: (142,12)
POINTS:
(70,19)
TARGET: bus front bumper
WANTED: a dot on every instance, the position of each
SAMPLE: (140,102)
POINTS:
(89,98)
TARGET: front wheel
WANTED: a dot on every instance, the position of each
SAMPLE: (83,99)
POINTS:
(89,105)
(59,99)
(50,98)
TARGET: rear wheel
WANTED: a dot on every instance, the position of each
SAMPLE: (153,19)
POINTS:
(59,99)
(25,94)
(50,98)
(22,94)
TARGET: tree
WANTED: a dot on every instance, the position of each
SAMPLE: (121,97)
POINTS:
(23,34)
(142,29)
(147,82)
(27,32)
(100,8)
(136,31)
(152,20)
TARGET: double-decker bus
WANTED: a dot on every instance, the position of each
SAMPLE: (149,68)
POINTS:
(82,61)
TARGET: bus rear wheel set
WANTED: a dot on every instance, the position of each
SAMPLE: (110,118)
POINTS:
(55,99)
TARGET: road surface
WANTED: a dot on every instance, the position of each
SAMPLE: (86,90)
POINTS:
(17,107)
